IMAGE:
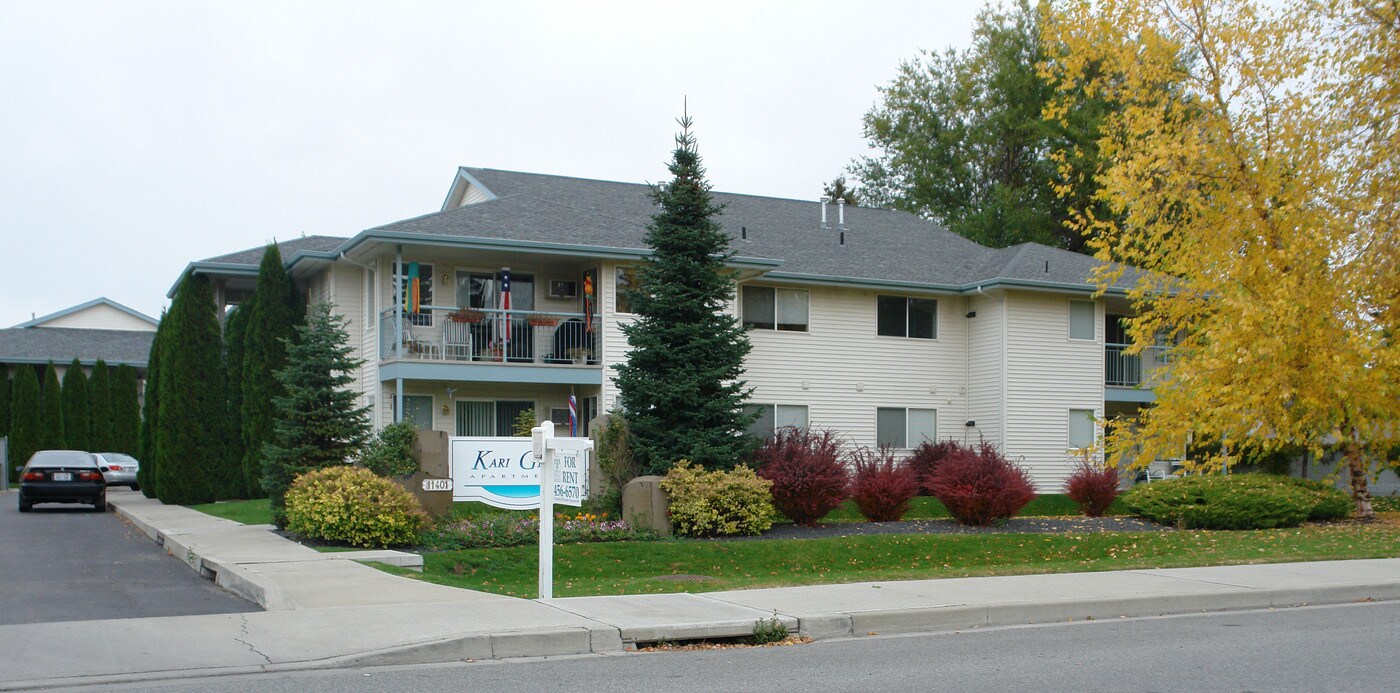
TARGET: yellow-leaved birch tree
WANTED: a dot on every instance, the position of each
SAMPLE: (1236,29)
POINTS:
(1259,191)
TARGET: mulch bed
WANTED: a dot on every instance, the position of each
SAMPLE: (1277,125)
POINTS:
(1015,525)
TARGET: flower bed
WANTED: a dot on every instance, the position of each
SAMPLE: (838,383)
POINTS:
(514,530)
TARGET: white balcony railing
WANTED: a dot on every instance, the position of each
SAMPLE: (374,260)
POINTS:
(492,336)
(1131,370)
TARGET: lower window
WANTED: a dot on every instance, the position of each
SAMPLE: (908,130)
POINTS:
(772,417)
(419,410)
(490,418)
(899,427)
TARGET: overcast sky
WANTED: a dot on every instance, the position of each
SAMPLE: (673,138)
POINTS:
(136,137)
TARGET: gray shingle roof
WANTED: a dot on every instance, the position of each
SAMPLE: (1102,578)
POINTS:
(880,245)
(63,344)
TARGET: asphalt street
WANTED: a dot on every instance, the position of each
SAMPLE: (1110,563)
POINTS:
(63,562)
(1334,648)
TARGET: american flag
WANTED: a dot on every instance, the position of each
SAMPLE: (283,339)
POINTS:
(573,417)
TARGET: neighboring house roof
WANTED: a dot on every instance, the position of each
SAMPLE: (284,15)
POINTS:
(94,305)
(562,214)
(61,345)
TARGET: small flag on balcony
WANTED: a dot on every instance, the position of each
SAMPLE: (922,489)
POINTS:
(573,416)
(588,303)
(411,293)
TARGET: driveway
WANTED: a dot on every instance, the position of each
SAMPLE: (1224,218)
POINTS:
(69,563)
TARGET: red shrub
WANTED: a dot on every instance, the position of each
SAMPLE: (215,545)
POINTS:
(927,456)
(808,477)
(1092,488)
(882,486)
(980,487)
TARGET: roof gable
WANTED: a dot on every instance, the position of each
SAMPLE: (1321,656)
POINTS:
(99,313)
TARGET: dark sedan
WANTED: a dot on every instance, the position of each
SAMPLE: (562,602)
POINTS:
(62,476)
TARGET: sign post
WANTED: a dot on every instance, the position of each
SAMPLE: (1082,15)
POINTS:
(563,481)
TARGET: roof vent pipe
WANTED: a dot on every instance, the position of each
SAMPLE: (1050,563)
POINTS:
(843,238)
(841,212)
(824,200)
(743,233)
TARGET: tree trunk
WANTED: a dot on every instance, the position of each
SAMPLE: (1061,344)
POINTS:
(1356,465)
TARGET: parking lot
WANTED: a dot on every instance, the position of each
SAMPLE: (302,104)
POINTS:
(68,563)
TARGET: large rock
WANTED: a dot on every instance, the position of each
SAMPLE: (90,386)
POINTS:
(644,505)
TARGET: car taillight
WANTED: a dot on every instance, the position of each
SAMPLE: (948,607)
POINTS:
(114,468)
(33,476)
(89,476)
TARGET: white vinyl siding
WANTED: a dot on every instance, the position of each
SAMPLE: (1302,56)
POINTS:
(842,370)
(100,317)
(1047,375)
(986,366)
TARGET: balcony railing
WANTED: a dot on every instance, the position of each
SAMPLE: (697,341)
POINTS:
(1131,370)
(492,336)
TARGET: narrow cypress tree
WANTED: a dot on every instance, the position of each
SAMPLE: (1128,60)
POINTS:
(51,435)
(192,462)
(126,411)
(5,394)
(235,330)
(150,416)
(76,424)
(100,407)
(317,424)
(681,388)
(25,424)
(272,323)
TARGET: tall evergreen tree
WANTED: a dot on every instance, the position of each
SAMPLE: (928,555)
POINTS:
(235,331)
(5,394)
(51,435)
(272,322)
(192,461)
(317,422)
(25,424)
(76,423)
(150,415)
(100,407)
(126,411)
(681,387)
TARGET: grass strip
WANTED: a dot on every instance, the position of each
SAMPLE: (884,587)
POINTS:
(249,512)
(641,567)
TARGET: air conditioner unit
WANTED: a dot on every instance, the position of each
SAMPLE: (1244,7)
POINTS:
(563,288)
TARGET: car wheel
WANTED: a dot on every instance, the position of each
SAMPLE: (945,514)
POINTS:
(100,505)
(136,487)
(24,505)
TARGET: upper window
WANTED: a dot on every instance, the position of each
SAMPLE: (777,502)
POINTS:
(898,427)
(772,417)
(1081,429)
(901,316)
(1081,319)
(626,283)
(768,308)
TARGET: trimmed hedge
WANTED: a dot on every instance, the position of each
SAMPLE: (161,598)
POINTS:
(354,506)
(718,503)
(1237,501)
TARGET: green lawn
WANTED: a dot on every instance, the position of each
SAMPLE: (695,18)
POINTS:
(249,512)
(927,508)
(637,567)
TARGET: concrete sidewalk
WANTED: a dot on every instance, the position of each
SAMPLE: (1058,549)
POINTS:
(324,610)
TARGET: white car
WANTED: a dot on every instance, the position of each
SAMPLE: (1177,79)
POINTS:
(119,469)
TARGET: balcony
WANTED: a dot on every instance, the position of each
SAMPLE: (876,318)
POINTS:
(1122,369)
(491,346)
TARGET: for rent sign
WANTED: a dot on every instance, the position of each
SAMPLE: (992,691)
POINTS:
(503,472)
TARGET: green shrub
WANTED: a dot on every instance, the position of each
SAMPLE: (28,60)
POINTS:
(718,503)
(353,506)
(390,453)
(1238,501)
(1328,501)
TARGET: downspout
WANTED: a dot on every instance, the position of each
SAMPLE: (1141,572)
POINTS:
(398,329)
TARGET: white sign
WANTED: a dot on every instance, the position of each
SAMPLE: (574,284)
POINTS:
(437,484)
(570,480)
(503,472)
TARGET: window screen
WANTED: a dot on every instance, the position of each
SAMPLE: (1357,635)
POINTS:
(1081,428)
(1081,319)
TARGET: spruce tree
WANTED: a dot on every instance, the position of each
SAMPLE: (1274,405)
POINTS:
(150,416)
(235,331)
(25,422)
(51,435)
(681,388)
(317,422)
(76,424)
(126,411)
(192,461)
(100,407)
(5,394)
(272,323)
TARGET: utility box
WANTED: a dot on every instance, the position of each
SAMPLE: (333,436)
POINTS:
(644,505)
